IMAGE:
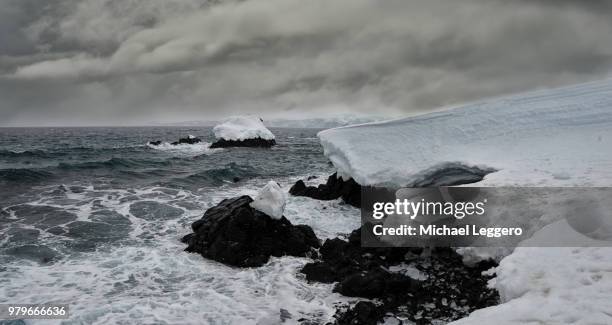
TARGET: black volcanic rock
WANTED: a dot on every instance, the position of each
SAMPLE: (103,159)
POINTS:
(187,140)
(363,313)
(334,188)
(255,142)
(341,259)
(451,290)
(376,283)
(234,233)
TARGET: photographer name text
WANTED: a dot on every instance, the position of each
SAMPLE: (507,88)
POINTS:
(433,230)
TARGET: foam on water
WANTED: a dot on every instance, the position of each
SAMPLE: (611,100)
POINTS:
(185,149)
(146,277)
(101,228)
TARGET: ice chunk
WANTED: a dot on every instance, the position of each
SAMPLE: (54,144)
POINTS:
(242,128)
(408,270)
(270,200)
(529,139)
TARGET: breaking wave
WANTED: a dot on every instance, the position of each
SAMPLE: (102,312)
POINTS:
(184,149)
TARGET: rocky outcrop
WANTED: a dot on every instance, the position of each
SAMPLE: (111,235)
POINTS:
(447,290)
(363,196)
(234,233)
(334,188)
(187,140)
(342,260)
(364,312)
(255,142)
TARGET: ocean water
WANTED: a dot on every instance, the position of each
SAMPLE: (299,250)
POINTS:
(92,217)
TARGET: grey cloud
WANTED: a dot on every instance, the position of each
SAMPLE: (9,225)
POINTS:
(146,60)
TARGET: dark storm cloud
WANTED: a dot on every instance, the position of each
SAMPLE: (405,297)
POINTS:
(136,61)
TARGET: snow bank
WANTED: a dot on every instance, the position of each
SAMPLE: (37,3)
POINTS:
(551,285)
(242,128)
(270,200)
(558,137)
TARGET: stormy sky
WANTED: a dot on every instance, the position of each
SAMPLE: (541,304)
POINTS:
(132,62)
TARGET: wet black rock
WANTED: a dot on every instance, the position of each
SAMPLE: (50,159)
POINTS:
(234,233)
(376,283)
(341,259)
(364,312)
(334,188)
(447,290)
(255,142)
(364,196)
(187,140)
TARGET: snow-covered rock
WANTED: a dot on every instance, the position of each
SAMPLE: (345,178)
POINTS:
(240,128)
(270,200)
(234,233)
(558,137)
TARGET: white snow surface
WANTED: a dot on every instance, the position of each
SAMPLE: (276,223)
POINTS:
(242,128)
(558,137)
(270,200)
(551,285)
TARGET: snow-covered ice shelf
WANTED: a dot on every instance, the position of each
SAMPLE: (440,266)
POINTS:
(558,137)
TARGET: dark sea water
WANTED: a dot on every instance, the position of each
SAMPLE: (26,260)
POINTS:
(92,217)
(120,158)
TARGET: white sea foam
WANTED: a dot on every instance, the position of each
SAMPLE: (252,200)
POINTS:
(147,278)
(185,149)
